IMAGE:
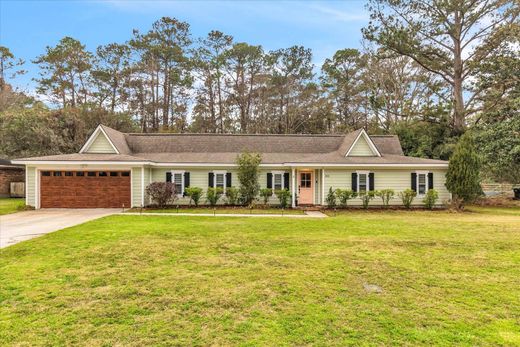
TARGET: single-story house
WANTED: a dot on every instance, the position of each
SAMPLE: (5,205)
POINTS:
(112,169)
(10,173)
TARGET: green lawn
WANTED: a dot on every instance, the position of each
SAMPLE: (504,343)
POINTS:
(9,205)
(446,279)
(222,210)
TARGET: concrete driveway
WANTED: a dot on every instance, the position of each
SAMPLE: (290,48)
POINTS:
(26,225)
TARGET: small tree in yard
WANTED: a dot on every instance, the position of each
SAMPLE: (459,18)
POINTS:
(248,171)
(213,195)
(283,196)
(430,198)
(344,195)
(331,198)
(407,197)
(366,197)
(266,193)
(195,193)
(161,193)
(232,195)
(386,195)
(463,176)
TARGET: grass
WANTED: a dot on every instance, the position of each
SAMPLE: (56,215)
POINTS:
(222,210)
(11,205)
(446,279)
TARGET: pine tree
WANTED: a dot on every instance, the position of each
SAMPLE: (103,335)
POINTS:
(463,176)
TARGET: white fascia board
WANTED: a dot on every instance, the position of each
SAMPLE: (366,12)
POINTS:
(80,162)
(369,141)
(212,165)
(364,165)
(94,136)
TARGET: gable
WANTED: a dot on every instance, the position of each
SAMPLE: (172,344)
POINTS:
(98,143)
(363,147)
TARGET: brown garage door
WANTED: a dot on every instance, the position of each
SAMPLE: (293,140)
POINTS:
(84,189)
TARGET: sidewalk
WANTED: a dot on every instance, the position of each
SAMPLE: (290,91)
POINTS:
(308,214)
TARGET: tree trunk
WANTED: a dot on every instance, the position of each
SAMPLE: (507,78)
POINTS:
(458,98)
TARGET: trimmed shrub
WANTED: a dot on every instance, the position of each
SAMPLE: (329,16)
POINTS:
(463,176)
(213,195)
(386,195)
(366,197)
(430,198)
(344,195)
(331,198)
(283,196)
(161,193)
(266,193)
(248,171)
(232,195)
(195,193)
(407,197)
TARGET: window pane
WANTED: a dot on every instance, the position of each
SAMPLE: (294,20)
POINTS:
(68,173)
(177,180)
(103,174)
(91,173)
(57,173)
(125,174)
(362,182)
(46,173)
(80,173)
(305,180)
(114,174)
(219,180)
(277,181)
(422,183)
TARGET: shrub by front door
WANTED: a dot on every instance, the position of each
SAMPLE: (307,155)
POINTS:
(305,188)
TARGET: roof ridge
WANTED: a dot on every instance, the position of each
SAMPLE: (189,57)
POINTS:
(237,135)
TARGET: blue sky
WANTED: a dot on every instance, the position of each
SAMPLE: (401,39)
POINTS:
(27,27)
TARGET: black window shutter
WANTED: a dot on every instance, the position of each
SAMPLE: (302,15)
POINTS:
(414,181)
(186,179)
(186,182)
(286,180)
(354,182)
(228,179)
(168,176)
(210,179)
(269,180)
(430,180)
(371,181)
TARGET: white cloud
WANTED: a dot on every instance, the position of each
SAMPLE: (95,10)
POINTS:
(340,15)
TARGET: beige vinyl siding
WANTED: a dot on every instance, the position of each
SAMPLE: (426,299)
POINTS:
(136,186)
(30,188)
(361,148)
(398,180)
(100,145)
(199,178)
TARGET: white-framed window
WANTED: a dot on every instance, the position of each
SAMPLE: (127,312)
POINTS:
(178,181)
(278,180)
(219,179)
(362,181)
(422,182)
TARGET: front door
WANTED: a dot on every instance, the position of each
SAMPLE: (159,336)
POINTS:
(305,188)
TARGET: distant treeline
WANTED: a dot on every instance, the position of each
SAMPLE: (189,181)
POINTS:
(427,71)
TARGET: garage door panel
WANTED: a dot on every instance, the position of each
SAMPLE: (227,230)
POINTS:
(84,191)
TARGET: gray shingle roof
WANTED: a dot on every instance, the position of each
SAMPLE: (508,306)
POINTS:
(223,149)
